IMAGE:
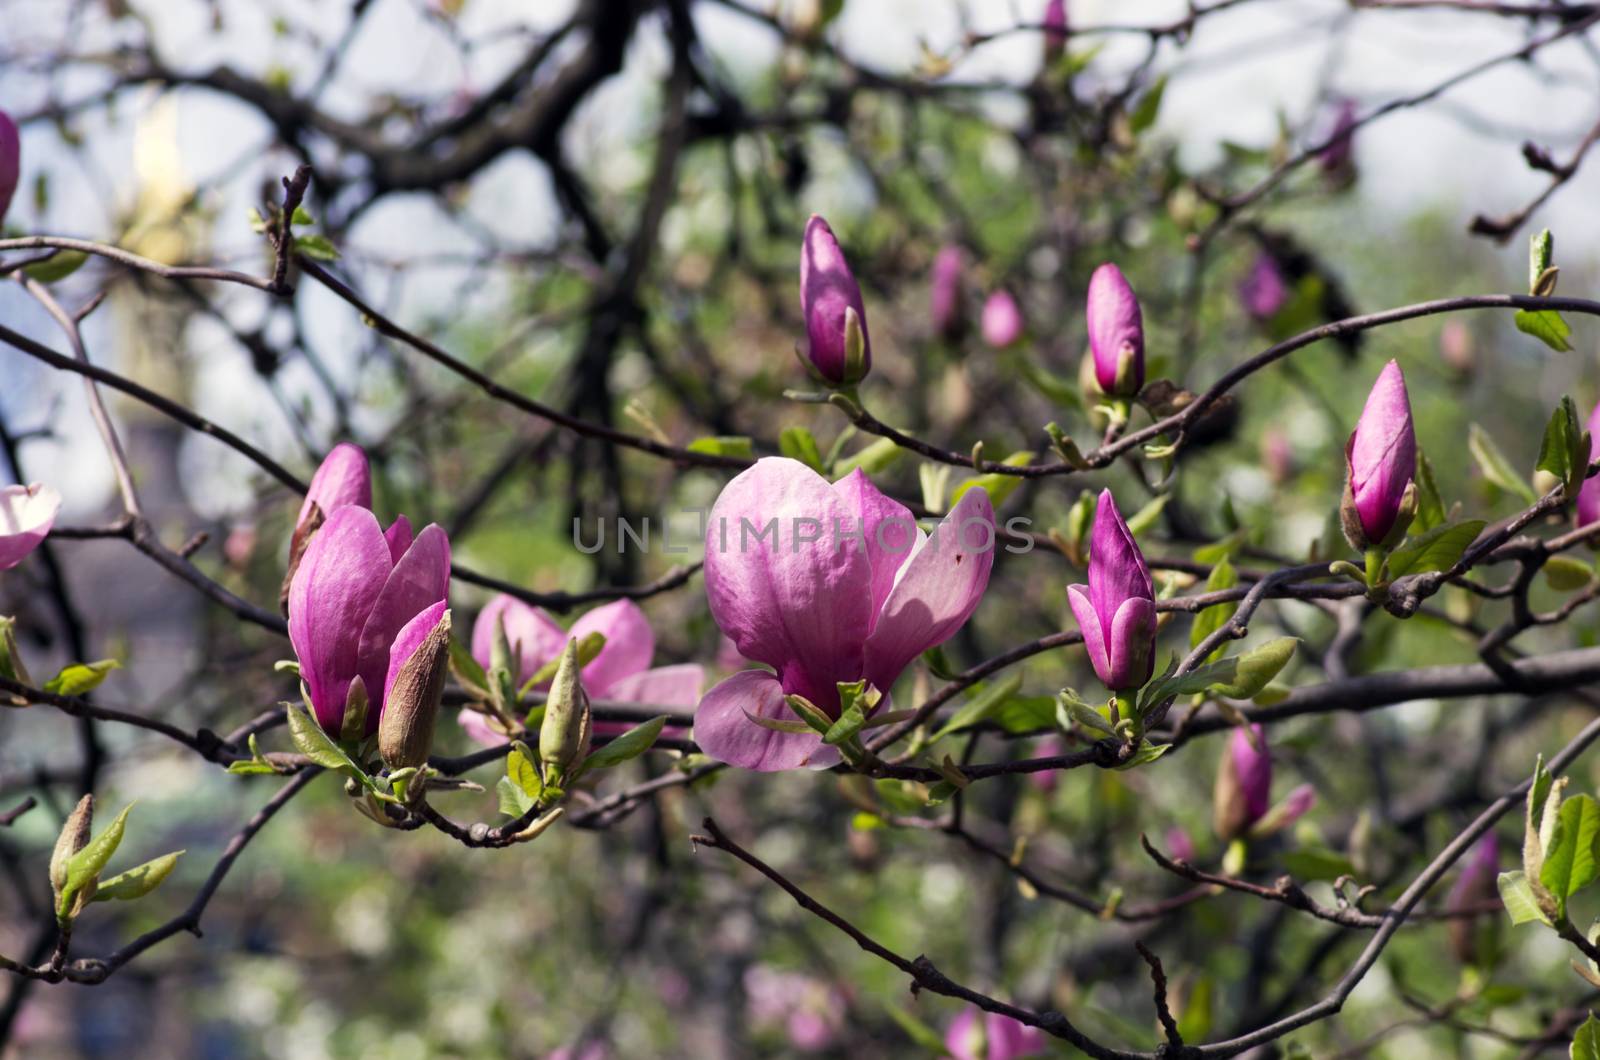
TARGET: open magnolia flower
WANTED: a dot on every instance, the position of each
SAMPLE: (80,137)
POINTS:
(362,601)
(826,583)
(26,515)
(620,673)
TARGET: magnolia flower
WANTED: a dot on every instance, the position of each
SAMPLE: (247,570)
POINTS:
(1116,332)
(1117,611)
(944,294)
(363,601)
(1381,459)
(978,1035)
(1588,506)
(836,319)
(1264,291)
(1476,885)
(620,673)
(342,478)
(1179,845)
(1055,30)
(1241,802)
(1002,320)
(26,515)
(10,161)
(826,583)
(1336,156)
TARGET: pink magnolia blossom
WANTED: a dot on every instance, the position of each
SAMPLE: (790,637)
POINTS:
(978,1035)
(1117,611)
(828,293)
(620,673)
(26,515)
(1264,291)
(342,478)
(10,161)
(944,293)
(1381,456)
(1002,320)
(1116,332)
(826,583)
(1588,507)
(1055,30)
(362,600)
(1242,801)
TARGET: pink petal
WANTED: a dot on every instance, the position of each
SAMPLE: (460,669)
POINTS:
(1094,638)
(827,289)
(1117,569)
(937,590)
(10,162)
(477,729)
(1382,453)
(724,732)
(418,581)
(333,592)
(26,515)
(1297,804)
(342,478)
(399,537)
(630,645)
(886,525)
(665,686)
(410,637)
(534,636)
(1132,644)
(800,606)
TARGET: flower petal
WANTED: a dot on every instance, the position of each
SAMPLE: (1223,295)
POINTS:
(331,597)
(410,637)
(342,478)
(476,726)
(665,686)
(399,537)
(1132,644)
(937,590)
(887,527)
(630,645)
(1094,638)
(26,515)
(534,636)
(418,581)
(797,604)
(1382,453)
(723,731)
(1117,570)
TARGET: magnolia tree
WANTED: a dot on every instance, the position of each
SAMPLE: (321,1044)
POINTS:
(1152,619)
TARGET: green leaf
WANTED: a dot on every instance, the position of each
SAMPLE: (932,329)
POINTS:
(1436,550)
(466,668)
(1562,452)
(1541,255)
(514,802)
(1565,574)
(981,706)
(58,266)
(316,745)
(1547,326)
(317,248)
(588,651)
(83,868)
(521,770)
(1146,517)
(1148,752)
(1207,622)
(807,712)
(1026,713)
(797,443)
(1074,710)
(631,744)
(1494,465)
(1316,863)
(724,445)
(247,767)
(1572,862)
(855,701)
(1149,105)
(1197,680)
(1430,506)
(1517,897)
(1586,1043)
(1256,669)
(998,486)
(874,459)
(137,882)
(1221,549)
(78,678)
(1194,1019)
(899,796)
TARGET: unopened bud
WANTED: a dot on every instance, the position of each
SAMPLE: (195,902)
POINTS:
(564,736)
(411,702)
(73,838)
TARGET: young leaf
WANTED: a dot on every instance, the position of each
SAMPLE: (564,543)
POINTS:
(1547,326)
(1517,897)
(1565,574)
(514,802)
(1430,506)
(725,445)
(1256,668)
(137,882)
(854,702)
(998,486)
(1571,864)
(79,678)
(1562,453)
(83,868)
(1586,1043)
(1494,465)
(631,744)
(1197,680)
(1148,752)
(317,248)
(521,771)
(981,706)
(797,443)
(468,673)
(311,741)
(1207,622)
(1072,709)
(1436,550)
(874,459)
(1149,105)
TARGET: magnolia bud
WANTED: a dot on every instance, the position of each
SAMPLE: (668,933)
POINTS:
(73,838)
(838,344)
(564,736)
(1116,332)
(10,161)
(1244,783)
(1380,460)
(415,686)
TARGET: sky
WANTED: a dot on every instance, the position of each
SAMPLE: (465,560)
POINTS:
(1245,67)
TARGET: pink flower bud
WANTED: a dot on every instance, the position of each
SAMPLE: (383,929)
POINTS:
(1117,612)
(1244,784)
(1264,291)
(10,161)
(1588,506)
(1336,156)
(1116,333)
(1476,885)
(1381,458)
(944,294)
(1055,30)
(836,320)
(26,515)
(1002,320)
